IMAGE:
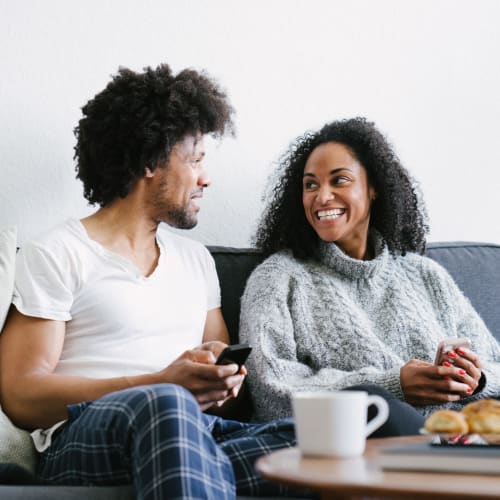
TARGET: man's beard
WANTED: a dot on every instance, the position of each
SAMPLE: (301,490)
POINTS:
(180,219)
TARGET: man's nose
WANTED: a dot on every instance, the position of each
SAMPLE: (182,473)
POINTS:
(204,179)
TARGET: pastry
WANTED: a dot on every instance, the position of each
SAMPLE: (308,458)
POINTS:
(490,405)
(484,422)
(447,421)
(483,416)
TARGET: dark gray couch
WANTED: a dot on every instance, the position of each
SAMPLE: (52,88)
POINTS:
(474,266)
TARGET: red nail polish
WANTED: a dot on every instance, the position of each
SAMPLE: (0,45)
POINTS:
(462,372)
(452,354)
(446,363)
(446,377)
(469,389)
(460,351)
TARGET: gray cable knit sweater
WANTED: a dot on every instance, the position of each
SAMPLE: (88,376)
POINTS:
(335,322)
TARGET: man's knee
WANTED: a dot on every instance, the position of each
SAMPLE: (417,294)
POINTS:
(150,401)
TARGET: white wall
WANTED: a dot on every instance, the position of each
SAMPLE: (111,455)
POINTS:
(426,71)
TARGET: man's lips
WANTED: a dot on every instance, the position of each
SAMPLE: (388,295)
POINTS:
(195,196)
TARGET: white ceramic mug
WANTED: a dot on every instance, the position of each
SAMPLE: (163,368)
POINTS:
(335,423)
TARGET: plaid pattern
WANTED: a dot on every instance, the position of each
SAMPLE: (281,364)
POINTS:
(157,438)
(244,443)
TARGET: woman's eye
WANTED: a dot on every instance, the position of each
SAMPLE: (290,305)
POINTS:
(340,180)
(309,185)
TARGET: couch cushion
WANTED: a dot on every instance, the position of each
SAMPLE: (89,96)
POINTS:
(234,266)
(8,240)
(475,267)
(16,445)
(67,492)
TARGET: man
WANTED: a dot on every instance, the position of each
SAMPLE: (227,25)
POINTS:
(110,347)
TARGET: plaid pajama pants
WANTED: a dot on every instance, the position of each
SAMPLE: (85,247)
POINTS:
(157,438)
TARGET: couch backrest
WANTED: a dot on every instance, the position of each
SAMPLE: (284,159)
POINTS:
(234,266)
(474,266)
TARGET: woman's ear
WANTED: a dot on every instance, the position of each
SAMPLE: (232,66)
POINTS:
(148,173)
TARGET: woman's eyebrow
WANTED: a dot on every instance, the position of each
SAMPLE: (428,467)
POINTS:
(334,171)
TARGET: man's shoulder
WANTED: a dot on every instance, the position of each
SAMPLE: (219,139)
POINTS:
(183,245)
(56,238)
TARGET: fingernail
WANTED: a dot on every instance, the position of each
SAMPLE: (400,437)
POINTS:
(446,377)
(462,372)
(446,363)
(460,351)
(452,354)
(469,389)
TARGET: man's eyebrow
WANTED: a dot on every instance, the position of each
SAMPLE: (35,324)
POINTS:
(195,154)
(334,171)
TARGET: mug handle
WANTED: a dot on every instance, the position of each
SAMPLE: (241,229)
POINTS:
(381,416)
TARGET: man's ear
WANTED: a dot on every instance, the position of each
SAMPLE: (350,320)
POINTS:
(148,173)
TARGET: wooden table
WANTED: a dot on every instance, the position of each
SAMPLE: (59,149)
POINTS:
(350,478)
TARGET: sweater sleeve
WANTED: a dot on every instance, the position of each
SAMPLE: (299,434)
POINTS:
(275,369)
(464,321)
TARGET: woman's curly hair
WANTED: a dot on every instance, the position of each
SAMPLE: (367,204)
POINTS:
(397,212)
(136,120)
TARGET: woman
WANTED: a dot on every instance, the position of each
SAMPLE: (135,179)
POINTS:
(345,296)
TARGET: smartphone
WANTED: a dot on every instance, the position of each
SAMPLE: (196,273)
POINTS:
(236,353)
(450,344)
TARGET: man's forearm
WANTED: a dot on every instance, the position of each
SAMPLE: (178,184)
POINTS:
(41,400)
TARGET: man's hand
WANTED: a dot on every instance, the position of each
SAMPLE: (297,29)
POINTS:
(216,347)
(196,370)
(425,383)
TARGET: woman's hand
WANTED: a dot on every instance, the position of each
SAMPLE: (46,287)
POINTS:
(426,384)
(468,364)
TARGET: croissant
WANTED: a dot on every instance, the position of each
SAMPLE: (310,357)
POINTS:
(479,417)
(447,421)
(483,416)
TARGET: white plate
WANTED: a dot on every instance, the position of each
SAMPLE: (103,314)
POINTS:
(463,439)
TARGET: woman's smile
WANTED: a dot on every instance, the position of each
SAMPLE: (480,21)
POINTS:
(331,214)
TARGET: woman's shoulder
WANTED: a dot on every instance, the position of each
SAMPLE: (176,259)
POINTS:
(279,265)
(424,265)
(284,259)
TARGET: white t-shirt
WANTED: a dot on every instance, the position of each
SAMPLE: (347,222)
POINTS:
(117,321)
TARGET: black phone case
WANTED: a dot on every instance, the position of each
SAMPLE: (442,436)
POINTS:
(237,353)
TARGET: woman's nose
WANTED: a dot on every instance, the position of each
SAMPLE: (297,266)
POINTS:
(325,194)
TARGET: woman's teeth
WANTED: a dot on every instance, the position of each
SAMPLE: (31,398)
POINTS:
(330,214)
